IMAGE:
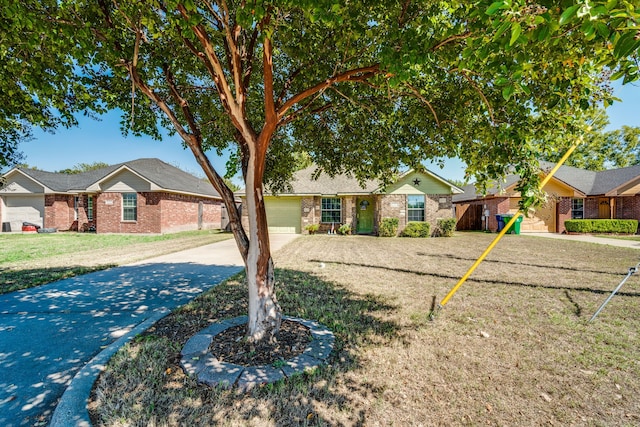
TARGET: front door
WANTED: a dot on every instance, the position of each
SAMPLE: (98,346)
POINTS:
(364,215)
(604,209)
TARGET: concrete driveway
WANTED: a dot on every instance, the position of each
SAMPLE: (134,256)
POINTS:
(48,333)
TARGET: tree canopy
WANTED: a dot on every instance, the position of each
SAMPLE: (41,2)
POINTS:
(603,149)
(362,87)
(439,78)
(84,167)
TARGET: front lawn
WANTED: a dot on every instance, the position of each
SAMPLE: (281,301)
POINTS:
(28,260)
(512,347)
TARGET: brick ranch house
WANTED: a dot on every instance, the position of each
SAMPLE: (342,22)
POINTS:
(572,193)
(139,196)
(331,202)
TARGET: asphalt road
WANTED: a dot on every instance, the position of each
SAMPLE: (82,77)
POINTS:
(48,333)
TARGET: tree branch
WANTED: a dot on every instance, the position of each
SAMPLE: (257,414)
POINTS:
(298,112)
(451,39)
(287,85)
(484,98)
(214,66)
(423,99)
(355,75)
(184,105)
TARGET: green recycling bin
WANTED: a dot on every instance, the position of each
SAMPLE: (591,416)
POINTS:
(515,227)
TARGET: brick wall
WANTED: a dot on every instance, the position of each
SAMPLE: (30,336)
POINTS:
(628,207)
(59,212)
(392,206)
(437,206)
(591,208)
(395,206)
(156,213)
(180,212)
(563,210)
(310,211)
(108,211)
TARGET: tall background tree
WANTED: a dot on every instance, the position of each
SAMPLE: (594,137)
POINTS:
(83,167)
(362,87)
(602,149)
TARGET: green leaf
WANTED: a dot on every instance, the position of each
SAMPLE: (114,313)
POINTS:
(589,30)
(516,30)
(507,91)
(568,14)
(625,45)
(602,29)
(495,7)
(543,33)
(501,29)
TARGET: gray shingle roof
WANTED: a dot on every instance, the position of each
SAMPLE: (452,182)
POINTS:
(303,183)
(611,179)
(154,170)
(587,182)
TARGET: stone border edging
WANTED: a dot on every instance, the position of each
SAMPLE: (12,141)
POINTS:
(197,360)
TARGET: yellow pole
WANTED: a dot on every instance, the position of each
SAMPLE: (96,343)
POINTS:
(506,227)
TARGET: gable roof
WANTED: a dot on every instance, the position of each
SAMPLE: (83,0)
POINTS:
(304,184)
(589,183)
(165,177)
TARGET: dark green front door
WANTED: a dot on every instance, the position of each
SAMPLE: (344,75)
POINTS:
(364,215)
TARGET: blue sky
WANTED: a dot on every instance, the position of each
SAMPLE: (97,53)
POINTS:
(101,141)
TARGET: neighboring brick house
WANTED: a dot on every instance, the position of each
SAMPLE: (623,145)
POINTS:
(331,202)
(140,196)
(571,193)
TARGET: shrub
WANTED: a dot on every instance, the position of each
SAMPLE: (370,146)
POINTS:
(312,228)
(416,229)
(388,227)
(620,226)
(445,227)
(344,229)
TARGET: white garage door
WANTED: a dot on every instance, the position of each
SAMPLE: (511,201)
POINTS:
(283,214)
(19,209)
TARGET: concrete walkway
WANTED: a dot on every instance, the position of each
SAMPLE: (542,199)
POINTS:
(635,244)
(48,333)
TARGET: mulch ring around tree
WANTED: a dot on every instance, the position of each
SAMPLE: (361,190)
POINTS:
(230,345)
(219,356)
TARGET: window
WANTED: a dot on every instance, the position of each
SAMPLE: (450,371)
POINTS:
(331,210)
(76,202)
(577,208)
(90,208)
(415,208)
(129,207)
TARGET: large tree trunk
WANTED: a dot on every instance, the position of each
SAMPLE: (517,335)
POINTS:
(265,314)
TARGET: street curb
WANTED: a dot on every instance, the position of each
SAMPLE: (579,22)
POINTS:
(72,408)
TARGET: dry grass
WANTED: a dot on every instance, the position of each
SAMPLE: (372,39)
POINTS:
(512,347)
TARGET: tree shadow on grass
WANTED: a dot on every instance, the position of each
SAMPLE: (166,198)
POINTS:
(476,280)
(325,396)
(526,264)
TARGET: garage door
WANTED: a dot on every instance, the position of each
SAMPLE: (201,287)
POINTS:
(19,209)
(543,220)
(283,214)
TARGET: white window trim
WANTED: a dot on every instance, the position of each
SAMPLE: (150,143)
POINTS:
(409,210)
(322,210)
(134,207)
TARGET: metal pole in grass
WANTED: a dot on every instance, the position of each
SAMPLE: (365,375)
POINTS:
(475,265)
(632,271)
